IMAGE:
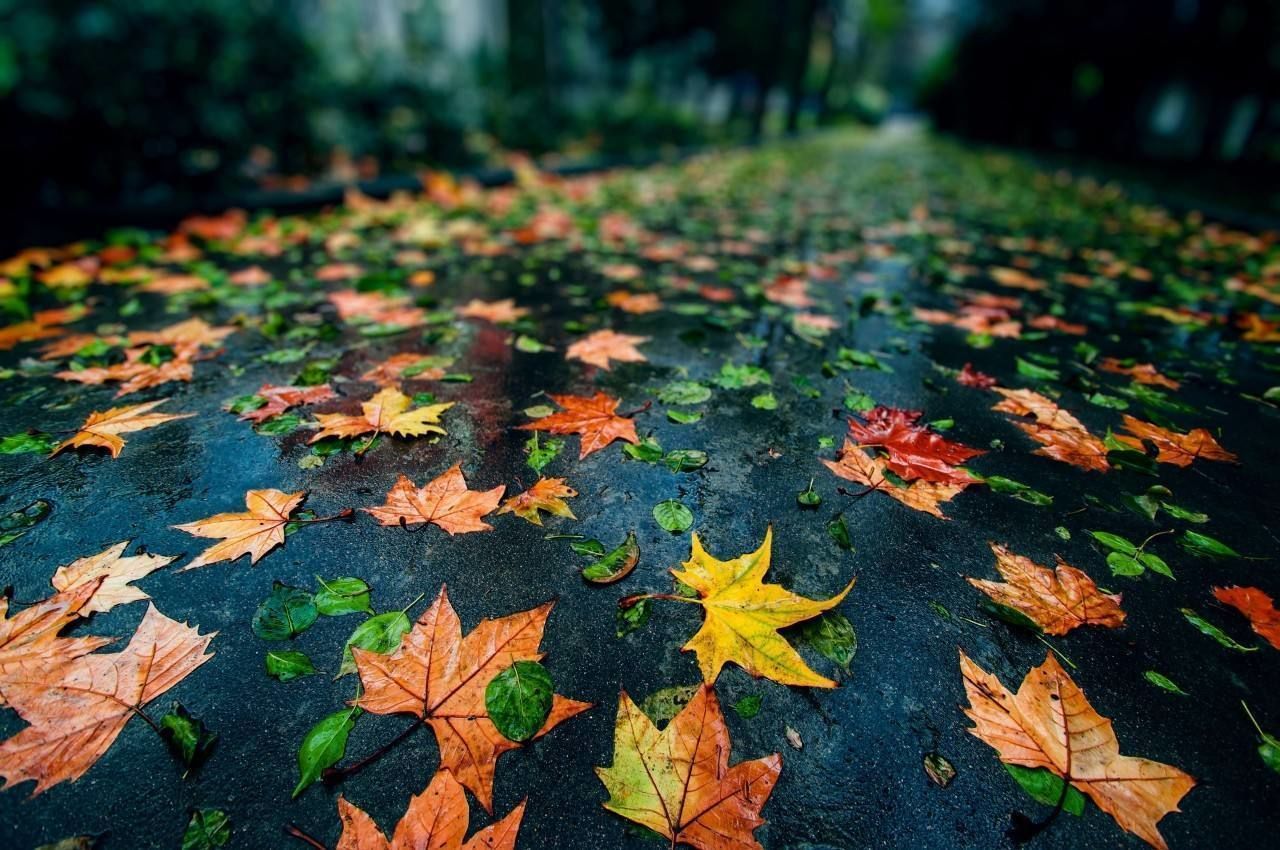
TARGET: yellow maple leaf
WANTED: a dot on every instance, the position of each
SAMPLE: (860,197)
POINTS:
(103,429)
(386,413)
(743,615)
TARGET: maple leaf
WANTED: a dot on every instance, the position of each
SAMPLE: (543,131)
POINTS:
(195,332)
(103,428)
(436,819)
(595,419)
(547,494)
(254,532)
(971,377)
(1056,601)
(635,303)
(76,710)
(136,374)
(42,325)
(279,399)
(31,639)
(598,348)
(376,307)
(1143,373)
(678,781)
(1049,724)
(498,312)
(1061,436)
(1257,606)
(915,452)
(387,412)
(111,572)
(444,501)
(440,677)
(853,464)
(1177,449)
(743,615)
(393,369)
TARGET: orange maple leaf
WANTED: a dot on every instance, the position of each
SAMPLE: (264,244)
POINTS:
(600,347)
(436,819)
(498,312)
(102,429)
(393,369)
(134,373)
(853,464)
(914,450)
(387,412)
(547,494)
(1143,373)
(635,303)
(31,639)
(196,332)
(1058,601)
(1177,449)
(1257,606)
(445,501)
(1049,724)
(678,781)
(595,419)
(1061,436)
(440,677)
(76,710)
(110,572)
(254,532)
(279,399)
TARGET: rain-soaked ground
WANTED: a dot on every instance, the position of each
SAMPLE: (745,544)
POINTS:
(849,273)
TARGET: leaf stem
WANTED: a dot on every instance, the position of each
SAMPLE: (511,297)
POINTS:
(641,409)
(333,775)
(344,514)
(629,601)
(1057,652)
(1252,719)
(293,831)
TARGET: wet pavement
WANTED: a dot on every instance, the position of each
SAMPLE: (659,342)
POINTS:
(874,227)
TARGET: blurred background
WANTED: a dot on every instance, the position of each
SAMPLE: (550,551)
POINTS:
(135,108)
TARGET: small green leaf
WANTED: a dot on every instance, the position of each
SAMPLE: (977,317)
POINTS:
(1204,546)
(632,617)
(381,633)
(17,523)
(1037,373)
(832,635)
(518,700)
(286,613)
(1214,632)
(1163,682)
(1114,542)
(673,516)
(27,443)
(764,401)
(338,596)
(648,450)
(809,497)
(208,828)
(541,454)
(188,738)
(1045,787)
(245,403)
(684,417)
(684,392)
(1124,565)
(838,531)
(285,665)
(323,746)
(685,460)
(286,423)
(748,707)
(616,565)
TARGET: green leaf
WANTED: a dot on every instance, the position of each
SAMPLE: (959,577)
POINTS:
(685,460)
(1182,513)
(673,516)
(286,665)
(587,548)
(632,617)
(208,828)
(616,565)
(28,443)
(764,401)
(838,531)
(17,523)
(1214,632)
(529,345)
(1018,490)
(245,403)
(323,746)
(832,635)
(734,377)
(684,417)
(1156,564)
(381,633)
(1045,787)
(1163,682)
(541,454)
(1204,546)
(338,596)
(1124,565)
(285,423)
(684,392)
(748,707)
(858,401)
(1012,616)
(1114,542)
(188,738)
(648,450)
(519,700)
(1036,373)
(809,497)
(286,613)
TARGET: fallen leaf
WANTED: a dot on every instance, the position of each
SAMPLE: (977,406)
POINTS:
(497,312)
(1257,606)
(1143,373)
(678,781)
(599,348)
(547,494)
(76,710)
(254,532)
(440,677)
(743,615)
(853,464)
(386,413)
(135,373)
(915,451)
(1177,449)
(398,366)
(444,501)
(30,639)
(1056,601)
(102,429)
(111,572)
(280,399)
(436,819)
(1049,724)
(1061,436)
(595,419)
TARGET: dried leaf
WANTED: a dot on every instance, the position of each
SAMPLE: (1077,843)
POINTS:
(1257,606)
(103,429)
(111,572)
(853,464)
(1177,449)
(598,348)
(1056,601)
(386,413)
(254,532)
(595,419)
(1061,436)
(445,501)
(547,494)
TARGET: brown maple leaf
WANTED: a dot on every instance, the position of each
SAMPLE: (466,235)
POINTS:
(136,374)
(498,312)
(377,308)
(1056,601)
(406,365)
(599,348)
(76,710)
(254,532)
(111,572)
(853,464)
(31,639)
(1143,373)
(1257,606)
(915,451)
(440,677)
(387,412)
(1049,724)
(678,781)
(102,429)
(595,419)
(196,332)
(280,398)
(436,819)
(1061,436)
(547,494)
(1177,449)
(444,501)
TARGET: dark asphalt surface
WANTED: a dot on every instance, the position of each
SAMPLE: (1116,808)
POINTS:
(858,781)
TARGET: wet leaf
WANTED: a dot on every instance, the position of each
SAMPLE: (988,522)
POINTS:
(1209,629)
(380,633)
(518,700)
(208,828)
(323,746)
(338,596)
(285,665)
(187,736)
(939,770)
(285,614)
(673,516)
(616,565)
